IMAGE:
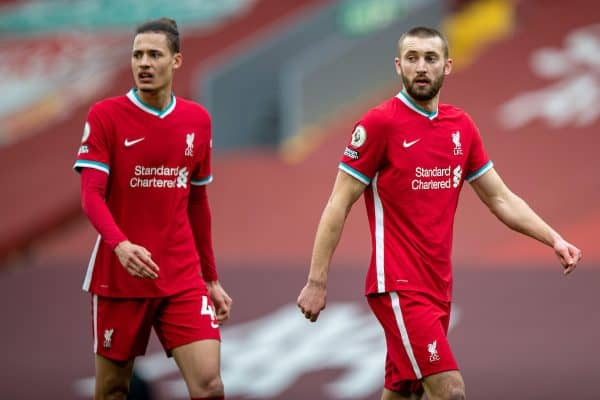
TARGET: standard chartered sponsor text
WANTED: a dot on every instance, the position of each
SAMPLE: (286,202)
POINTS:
(421,172)
(435,172)
(159,177)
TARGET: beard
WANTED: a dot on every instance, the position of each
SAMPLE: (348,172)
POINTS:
(423,94)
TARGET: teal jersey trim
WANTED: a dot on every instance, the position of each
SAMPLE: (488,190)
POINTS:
(91,164)
(135,99)
(354,173)
(486,167)
(201,182)
(412,105)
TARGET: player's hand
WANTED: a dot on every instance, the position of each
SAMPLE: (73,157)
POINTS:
(312,299)
(568,255)
(220,300)
(136,260)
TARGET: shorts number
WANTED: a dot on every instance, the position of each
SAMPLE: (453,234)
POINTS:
(209,310)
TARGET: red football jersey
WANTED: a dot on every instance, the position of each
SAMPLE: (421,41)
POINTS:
(152,157)
(415,164)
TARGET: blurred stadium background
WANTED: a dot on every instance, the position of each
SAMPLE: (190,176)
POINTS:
(285,80)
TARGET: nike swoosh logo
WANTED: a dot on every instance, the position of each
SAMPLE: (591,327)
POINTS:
(408,144)
(131,143)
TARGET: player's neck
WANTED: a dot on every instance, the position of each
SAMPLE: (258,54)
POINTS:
(158,99)
(430,106)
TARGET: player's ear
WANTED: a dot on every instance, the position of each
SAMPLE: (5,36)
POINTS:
(177,60)
(397,64)
(448,66)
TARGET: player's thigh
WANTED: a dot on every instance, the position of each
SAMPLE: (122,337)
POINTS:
(444,385)
(188,330)
(112,378)
(200,363)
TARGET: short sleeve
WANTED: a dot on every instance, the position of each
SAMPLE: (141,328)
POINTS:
(202,174)
(365,151)
(478,162)
(94,151)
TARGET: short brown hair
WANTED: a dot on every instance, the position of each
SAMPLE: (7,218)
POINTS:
(164,25)
(424,32)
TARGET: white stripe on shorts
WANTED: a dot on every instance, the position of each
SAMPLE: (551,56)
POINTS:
(95,322)
(404,334)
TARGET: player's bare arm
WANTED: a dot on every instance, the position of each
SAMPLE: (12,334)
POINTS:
(517,215)
(220,300)
(346,191)
(136,260)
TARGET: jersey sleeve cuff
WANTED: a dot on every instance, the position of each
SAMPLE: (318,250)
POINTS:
(79,164)
(354,173)
(210,276)
(485,168)
(202,182)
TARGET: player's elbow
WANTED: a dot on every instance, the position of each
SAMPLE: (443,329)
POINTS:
(501,210)
(509,210)
(497,206)
(336,210)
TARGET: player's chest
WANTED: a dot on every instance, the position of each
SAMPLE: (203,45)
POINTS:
(156,142)
(428,145)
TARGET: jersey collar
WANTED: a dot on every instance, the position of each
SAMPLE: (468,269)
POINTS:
(135,99)
(413,106)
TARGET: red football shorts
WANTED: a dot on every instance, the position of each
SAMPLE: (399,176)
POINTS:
(415,327)
(121,327)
